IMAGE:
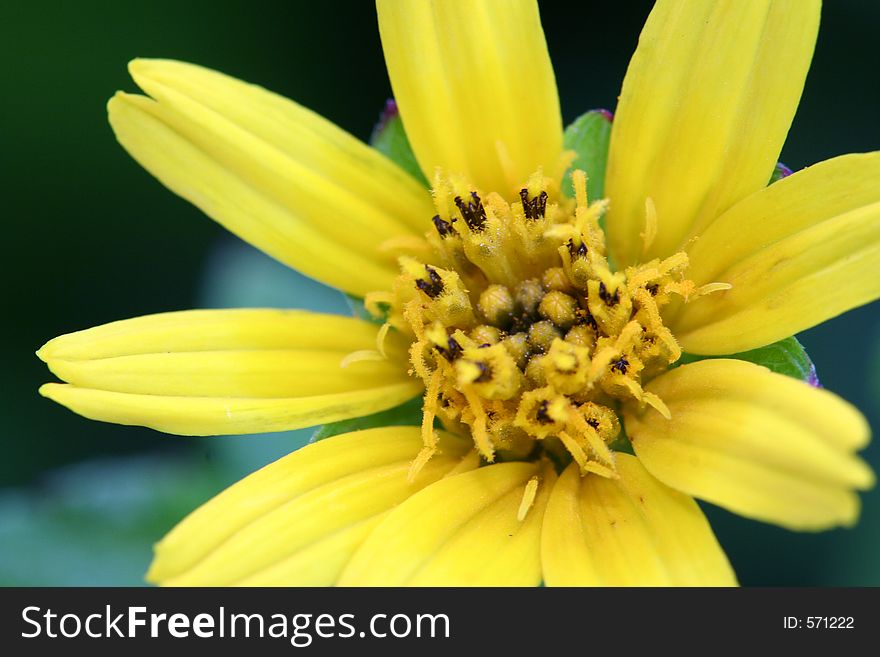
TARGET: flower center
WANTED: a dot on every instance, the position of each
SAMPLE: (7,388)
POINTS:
(525,336)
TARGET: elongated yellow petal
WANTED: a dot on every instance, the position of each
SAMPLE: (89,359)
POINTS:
(220,416)
(631,531)
(799,252)
(461,531)
(760,444)
(261,374)
(475,87)
(208,372)
(276,174)
(297,521)
(214,330)
(705,107)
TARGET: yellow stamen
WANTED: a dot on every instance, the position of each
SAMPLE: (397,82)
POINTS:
(420,461)
(709,288)
(579,182)
(600,449)
(480,433)
(600,470)
(528,498)
(361,355)
(429,411)
(577,452)
(656,403)
(380,339)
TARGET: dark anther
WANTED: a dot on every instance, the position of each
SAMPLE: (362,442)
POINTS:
(652,288)
(593,423)
(533,208)
(485,372)
(443,227)
(433,286)
(484,345)
(609,299)
(620,365)
(452,350)
(473,212)
(577,251)
(444,401)
(542,415)
(584,316)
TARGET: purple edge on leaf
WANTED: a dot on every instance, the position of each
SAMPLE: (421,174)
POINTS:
(388,113)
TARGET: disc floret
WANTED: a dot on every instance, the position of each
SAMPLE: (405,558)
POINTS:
(524,334)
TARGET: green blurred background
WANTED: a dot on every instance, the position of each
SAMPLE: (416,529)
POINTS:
(90,238)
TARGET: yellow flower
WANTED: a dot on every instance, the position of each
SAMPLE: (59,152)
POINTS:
(545,353)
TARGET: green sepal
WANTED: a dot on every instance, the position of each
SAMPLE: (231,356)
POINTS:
(786,357)
(588,136)
(622,443)
(407,414)
(780,171)
(356,305)
(389,138)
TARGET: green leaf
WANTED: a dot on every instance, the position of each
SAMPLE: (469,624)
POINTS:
(779,172)
(588,136)
(407,414)
(389,138)
(786,357)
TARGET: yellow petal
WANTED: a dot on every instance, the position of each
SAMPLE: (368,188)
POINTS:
(276,174)
(705,107)
(220,416)
(631,531)
(760,444)
(475,87)
(209,372)
(260,374)
(461,531)
(799,252)
(213,330)
(297,521)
